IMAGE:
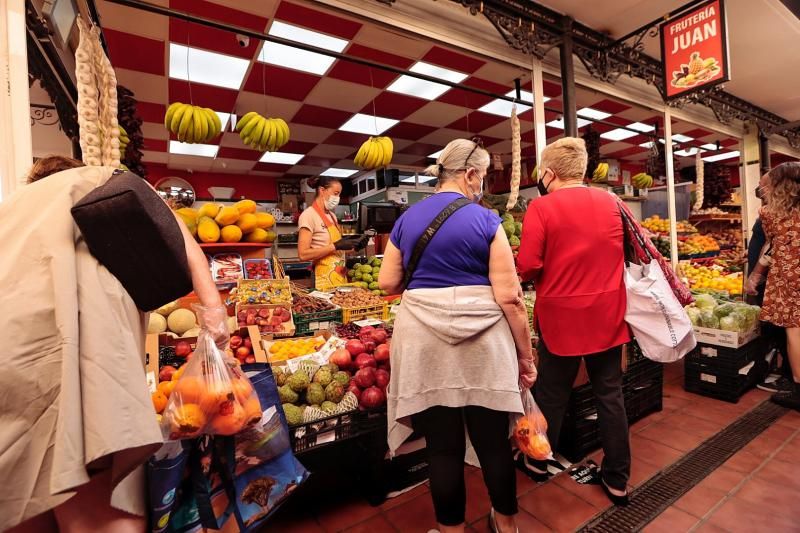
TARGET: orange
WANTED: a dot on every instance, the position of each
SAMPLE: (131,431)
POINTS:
(252,410)
(166,387)
(176,375)
(159,401)
(229,420)
(241,389)
(190,389)
(539,447)
(187,420)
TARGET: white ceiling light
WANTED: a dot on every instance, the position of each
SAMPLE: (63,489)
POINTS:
(588,112)
(296,59)
(436,155)
(426,89)
(200,150)
(680,138)
(560,123)
(367,124)
(408,179)
(281,158)
(210,68)
(224,118)
(648,145)
(721,157)
(689,152)
(710,146)
(638,126)
(503,107)
(339,172)
(302,35)
(618,134)
(426,179)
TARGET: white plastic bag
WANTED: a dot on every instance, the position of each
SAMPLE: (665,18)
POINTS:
(658,321)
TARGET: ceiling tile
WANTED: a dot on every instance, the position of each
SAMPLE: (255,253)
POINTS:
(503,75)
(231,139)
(331,151)
(393,105)
(551,89)
(631,150)
(320,116)
(317,20)
(150,112)
(212,39)
(361,74)
(308,170)
(610,106)
(312,134)
(422,149)
(477,121)
(280,82)
(697,133)
(271,167)
(407,130)
(269,105)
(409,159)
(346,138)
(380,37)
(436,114)
(241,153)
(117,17)
(341,95)
(221,13)
(231,165)
(202,95)
(145,87)
(151,130)
(154,145)
(452,60)
(135,53)
(440,137)
(314,161)
(154,157)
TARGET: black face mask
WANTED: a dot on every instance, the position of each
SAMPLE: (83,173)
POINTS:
(542,187)
(759,193)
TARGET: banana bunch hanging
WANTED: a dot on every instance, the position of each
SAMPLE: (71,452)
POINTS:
(642,181)
(263,134)
(376,152)
(124,141)
(600,174)
(192,124)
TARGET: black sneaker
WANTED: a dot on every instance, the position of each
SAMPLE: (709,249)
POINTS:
(790,398)
(782,384)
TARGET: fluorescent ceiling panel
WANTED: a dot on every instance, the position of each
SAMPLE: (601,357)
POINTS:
(294,58)
(339,172)
(426,89)
(648,145)
(427,179)
(367,124)
(302,35)
(588,112)
(560,123)
(436,155)
(721,157)
(680,138)
(710,146)
(210,68)
(224,118)
(644,128)
(689,152)
(408,179)
(618,134)
(200,150)
(281,158)
(503,107)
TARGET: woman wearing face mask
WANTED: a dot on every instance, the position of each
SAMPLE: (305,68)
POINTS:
(572,248)
(320,236)
(462,347)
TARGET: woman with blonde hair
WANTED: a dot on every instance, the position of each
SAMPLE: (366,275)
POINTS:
(462,348)
(781,220)
(572,249)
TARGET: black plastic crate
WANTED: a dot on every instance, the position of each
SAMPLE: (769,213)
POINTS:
(720,382)
(336,428)
(579,437)
(634,353)
(729,359)
(304,322)
(641,374)
(640,402)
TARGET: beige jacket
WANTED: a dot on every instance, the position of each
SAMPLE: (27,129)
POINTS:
(73,396)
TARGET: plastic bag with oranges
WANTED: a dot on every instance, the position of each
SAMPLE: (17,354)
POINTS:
(212,396)
(530,430)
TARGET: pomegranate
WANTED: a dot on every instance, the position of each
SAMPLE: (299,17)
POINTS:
(365,333)
(355,347)
(341,358)
(372,397)
(369,346)
(182,349)
(365,359)
(365,377)
(382,353)
(354,389)
(381,379)
(236,341)
(165,374)
(379,336)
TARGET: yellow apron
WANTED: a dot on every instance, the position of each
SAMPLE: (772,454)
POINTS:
(330,271)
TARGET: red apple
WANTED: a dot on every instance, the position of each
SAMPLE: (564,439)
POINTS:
(165,374)
(236,341)
(365,333)
(365,359)
(182,349)
(341,358)
(382,353)
(242,352)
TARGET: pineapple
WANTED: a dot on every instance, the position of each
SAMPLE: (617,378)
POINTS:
(695,64)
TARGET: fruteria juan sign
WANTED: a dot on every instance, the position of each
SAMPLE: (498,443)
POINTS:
(694,50)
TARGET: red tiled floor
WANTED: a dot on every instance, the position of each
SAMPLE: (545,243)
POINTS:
(525,523)
(524,483)
(783,474)
(406,496)
(763,446)
(700,500)
(653,452)
(673,403)
(342,516)
(376,524)
(671,436)
(557,508)
(791,419)
(710,528)
(790,452)
(744,461)
(724,479)
(478,503)
(779,432)
(772,498)
(737,515)
(293,524)
(671,521)
(641,471)
(591,494)
(413,516)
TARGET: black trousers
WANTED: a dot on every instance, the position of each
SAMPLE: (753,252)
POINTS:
(776,336)
(443,429)
(552,391)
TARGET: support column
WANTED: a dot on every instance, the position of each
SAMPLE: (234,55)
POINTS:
(752,160)
(15,127)
(671,211)
(763,152)
(537,79)
(568,80)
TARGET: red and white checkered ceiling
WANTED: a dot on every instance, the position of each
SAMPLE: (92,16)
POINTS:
(149,54)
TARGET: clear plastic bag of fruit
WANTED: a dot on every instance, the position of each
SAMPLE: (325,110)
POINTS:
(213,396)
(530,430)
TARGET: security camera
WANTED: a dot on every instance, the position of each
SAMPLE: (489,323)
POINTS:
(243,40)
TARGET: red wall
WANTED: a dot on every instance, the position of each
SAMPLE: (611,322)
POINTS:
(258,188)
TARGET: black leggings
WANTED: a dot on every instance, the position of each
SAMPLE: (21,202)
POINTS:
(443,429)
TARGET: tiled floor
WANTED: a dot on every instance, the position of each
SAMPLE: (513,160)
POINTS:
(758,489)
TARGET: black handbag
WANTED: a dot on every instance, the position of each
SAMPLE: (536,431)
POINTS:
(134,234)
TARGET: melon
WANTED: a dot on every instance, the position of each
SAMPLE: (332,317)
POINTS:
(181,320)
(166,309)
(156,324)
(193,332)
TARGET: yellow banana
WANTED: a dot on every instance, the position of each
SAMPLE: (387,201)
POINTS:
(267,135)
(186,123)
(212,126)
(200,125)
(170,112)
(175,122)
(359,158)
(284,129)
(215,119)
(245,120)
(367,153)
(258,130)
(247,129)
(375,153)
(277,134)
(388,150)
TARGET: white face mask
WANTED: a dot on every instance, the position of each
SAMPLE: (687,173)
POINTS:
(331,203)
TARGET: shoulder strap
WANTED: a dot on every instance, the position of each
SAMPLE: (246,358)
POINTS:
(428,234)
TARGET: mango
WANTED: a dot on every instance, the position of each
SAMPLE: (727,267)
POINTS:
(231,234)
(245,206)
(189,221)
(257,235)
(209,210)
(227,216)
(265,220)
(247,222)
(207,230)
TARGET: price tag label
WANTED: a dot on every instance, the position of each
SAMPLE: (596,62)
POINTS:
(368,322)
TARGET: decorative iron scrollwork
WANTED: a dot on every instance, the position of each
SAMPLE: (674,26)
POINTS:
(44,115)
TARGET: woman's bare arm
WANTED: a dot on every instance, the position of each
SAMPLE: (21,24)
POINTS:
(304,250)
(391,277)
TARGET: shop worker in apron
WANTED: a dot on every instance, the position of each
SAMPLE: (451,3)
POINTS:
(320,237)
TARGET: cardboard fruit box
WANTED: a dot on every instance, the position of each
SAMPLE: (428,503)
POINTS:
(327,343)
(727,339)
(270,319)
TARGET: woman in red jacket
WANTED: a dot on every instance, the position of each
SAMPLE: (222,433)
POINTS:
(572,249)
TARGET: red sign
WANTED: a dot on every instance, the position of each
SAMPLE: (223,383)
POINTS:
(694,50)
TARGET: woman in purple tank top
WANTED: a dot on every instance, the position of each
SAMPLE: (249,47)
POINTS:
(462,348)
